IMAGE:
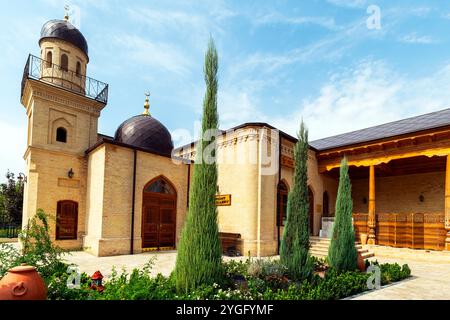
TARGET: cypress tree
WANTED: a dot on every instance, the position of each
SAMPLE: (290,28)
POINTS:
(342,254)
(294,250)
(199,258)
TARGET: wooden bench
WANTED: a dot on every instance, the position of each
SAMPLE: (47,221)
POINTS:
(231,243)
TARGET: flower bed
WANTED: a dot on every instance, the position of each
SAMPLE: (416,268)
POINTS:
(249,280)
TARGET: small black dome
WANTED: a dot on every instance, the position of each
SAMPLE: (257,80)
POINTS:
(145,132)
(64,30)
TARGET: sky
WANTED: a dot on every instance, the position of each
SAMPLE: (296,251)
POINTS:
(330,62)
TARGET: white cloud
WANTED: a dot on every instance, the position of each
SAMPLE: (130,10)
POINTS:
(13,143)
(278,18)
(160,55)
(417,39)
(369,95)
(348,3)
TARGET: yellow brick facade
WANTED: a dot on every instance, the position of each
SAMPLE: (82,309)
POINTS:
(103,173)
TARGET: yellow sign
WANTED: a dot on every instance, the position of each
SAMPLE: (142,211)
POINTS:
(223,200)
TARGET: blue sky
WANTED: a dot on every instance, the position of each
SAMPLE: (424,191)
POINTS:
(279,61)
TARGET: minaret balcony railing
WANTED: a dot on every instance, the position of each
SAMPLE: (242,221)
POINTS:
(42,70)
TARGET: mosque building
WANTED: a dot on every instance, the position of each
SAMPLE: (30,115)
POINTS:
(130,193)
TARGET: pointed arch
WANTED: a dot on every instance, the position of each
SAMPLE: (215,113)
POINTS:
(160,184)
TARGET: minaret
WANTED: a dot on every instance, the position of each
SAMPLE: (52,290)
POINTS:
(63,106)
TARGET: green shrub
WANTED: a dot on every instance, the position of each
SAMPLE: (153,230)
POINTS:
(234,268)
(342,254)
(294,249)
(392,272)
(38,250)
(140,285)
(199,258)
(58,290)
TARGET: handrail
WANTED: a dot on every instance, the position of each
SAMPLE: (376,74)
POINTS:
(45,71)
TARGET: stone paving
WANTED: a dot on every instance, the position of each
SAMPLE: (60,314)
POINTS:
(430,275)
(430,270)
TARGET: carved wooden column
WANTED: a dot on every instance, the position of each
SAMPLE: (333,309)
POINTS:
(447,204)
(371,221)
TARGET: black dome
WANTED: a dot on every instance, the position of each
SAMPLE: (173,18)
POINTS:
(64,30)
(145,132)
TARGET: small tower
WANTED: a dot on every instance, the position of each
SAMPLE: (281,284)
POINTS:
(64,55)
(63,106)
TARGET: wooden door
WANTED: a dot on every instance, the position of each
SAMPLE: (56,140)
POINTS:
(167,226)
(66,220)
(150,222)
(159,215)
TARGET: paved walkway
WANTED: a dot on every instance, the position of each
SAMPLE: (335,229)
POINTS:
(164,262)
(430,270)
(430,275)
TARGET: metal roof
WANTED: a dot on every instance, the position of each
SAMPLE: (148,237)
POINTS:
(145,132)
(419,123)
(64,30)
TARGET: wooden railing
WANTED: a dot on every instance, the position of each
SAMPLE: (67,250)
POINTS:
(406,230)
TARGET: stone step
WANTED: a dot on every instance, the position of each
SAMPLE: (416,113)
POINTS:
(319,244)
(367,255)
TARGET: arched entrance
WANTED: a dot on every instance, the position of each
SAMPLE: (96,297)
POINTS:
(159,214)
(282,201)
(311,210)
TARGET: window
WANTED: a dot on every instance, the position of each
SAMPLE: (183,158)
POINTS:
(64,62)
(49,59)
(66,220)
(282,203)
(160,186)
(78,69)
(61,135)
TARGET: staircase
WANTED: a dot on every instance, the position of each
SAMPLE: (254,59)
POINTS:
(319,248)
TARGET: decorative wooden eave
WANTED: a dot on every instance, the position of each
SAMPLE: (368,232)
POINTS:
(429,143)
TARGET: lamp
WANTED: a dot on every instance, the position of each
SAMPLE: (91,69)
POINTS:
(22,177)
(70,173)
(97,281)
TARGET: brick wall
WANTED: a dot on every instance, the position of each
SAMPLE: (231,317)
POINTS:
(401,193)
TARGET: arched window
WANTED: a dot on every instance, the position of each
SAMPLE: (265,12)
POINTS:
(282,202)
(66,220)
(326,205)
(160,186)
(49,59)
(78,69)
(64,62)
(61,135)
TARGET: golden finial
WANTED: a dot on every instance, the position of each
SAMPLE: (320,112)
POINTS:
(146,105)
(66,9)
